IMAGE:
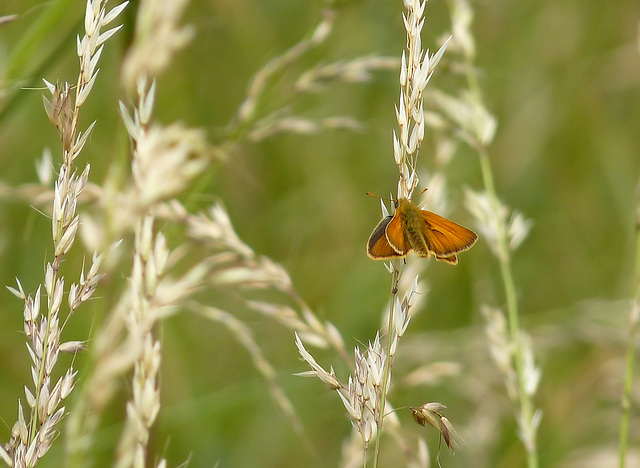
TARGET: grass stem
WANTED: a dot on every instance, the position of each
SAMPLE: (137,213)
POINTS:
(625,402)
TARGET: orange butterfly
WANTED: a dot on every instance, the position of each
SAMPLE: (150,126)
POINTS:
(412,229)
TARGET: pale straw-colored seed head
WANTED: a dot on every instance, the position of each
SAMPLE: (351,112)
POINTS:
(72,347)
(431,413)
(19,292)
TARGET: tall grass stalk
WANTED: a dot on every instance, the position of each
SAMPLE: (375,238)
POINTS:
(417,67)
(527,419)
(365,395)
(504,229)
(634,317)
(150,255)
(411,129)
(33,436)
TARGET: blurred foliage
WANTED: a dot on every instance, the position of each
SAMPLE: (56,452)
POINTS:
(563,79)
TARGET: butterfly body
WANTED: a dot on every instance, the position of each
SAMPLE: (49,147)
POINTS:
(414,231)
(421,231)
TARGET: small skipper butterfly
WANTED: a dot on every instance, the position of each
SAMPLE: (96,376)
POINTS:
(412,229)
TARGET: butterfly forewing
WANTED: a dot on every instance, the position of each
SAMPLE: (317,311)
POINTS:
(396,235)
(447,238)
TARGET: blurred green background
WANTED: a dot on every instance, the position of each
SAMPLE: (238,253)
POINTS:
(563,80)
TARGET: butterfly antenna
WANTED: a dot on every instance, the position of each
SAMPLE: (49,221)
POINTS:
(421,192)
(370,194)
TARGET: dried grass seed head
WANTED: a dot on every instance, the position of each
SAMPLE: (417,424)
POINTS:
(431,413)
